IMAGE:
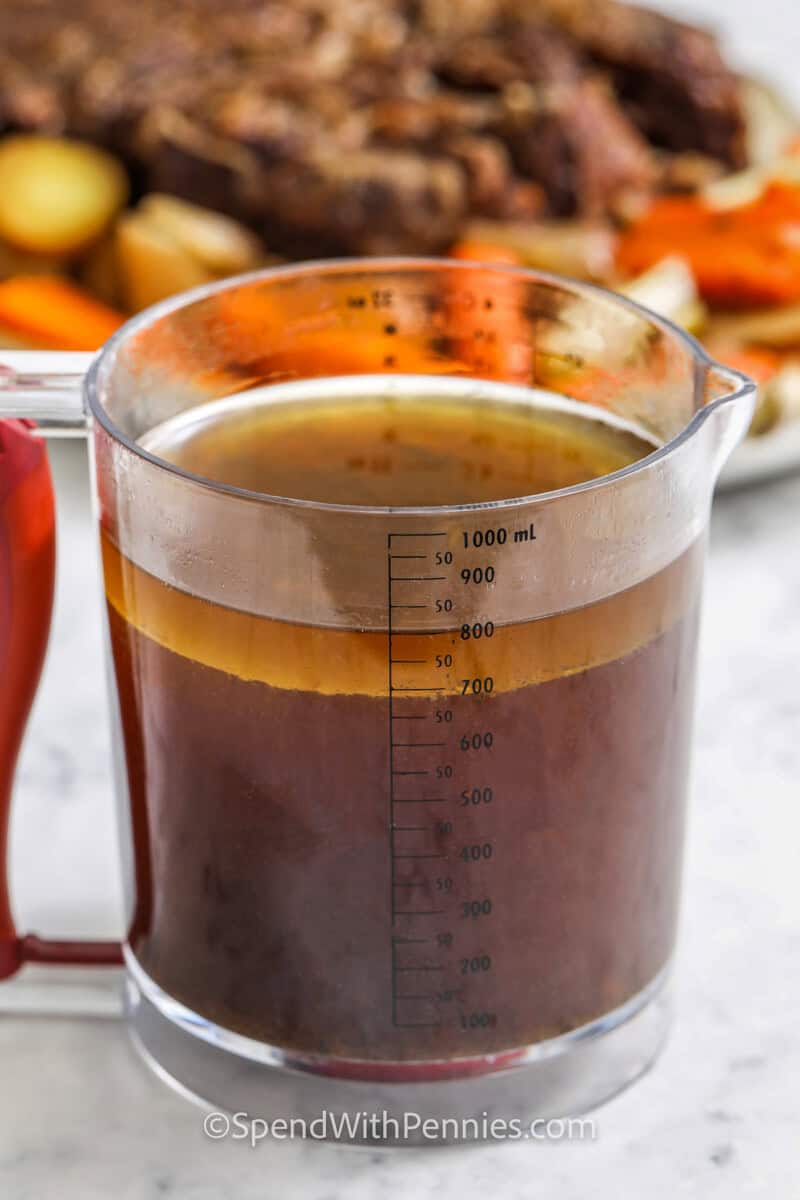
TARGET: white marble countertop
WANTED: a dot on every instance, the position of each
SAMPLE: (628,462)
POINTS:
(82,1119)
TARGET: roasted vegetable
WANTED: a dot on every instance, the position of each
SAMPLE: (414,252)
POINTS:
(494,337)
(582,249)
(152,265)
(52,312)
(57,196)
(778,397)
(782,398)
(748,187)
(218,242)
(669,289)
(167,245)
(486,252)
(777,376)
(741,257)
(778,328)
(770,122)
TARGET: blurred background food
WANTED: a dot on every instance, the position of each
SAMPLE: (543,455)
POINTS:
(141,155)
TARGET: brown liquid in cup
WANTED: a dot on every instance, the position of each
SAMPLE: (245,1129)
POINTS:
(536,870)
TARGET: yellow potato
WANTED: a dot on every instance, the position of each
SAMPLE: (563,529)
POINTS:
(218,242)
(151,265)
(56,195)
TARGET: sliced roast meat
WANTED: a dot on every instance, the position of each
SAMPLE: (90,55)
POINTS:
(670,76)
(372,125)
(370,202)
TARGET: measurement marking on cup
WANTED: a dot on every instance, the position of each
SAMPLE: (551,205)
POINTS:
(399,856)
(413,688)
(423,689)
(420,912)
(423,967)
(415,745)
(420,800)
(399,997)
(458,615)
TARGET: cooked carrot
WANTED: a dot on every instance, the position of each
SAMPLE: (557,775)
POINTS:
(339,351)
(741,257)
(56,313)
(756,361)
(487,252)
(492,337)
(328,327)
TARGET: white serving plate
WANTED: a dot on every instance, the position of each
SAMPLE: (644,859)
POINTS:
(763,458)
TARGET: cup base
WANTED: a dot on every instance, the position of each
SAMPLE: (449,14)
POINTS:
(251,1082)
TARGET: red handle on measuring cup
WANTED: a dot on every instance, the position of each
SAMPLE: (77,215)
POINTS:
(27,568)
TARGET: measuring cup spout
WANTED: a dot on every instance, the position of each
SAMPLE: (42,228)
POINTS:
(730,399)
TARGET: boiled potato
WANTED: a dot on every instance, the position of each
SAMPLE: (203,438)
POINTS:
(151,265)
(216,241)
(166,245)
(56,195)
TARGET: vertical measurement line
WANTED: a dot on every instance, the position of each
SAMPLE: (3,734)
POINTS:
(390,682)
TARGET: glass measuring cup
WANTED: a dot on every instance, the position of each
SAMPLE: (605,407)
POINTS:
(401,789)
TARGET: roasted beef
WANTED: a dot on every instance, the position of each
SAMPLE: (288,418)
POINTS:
(334,126)
(669,76)
(562,125)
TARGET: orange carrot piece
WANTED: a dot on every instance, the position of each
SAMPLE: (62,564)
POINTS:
(740,257)
(296,335)
(56,313)
(493,335)
(756,361)
(488,252)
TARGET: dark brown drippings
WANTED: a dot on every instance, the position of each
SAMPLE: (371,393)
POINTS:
(258,766)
